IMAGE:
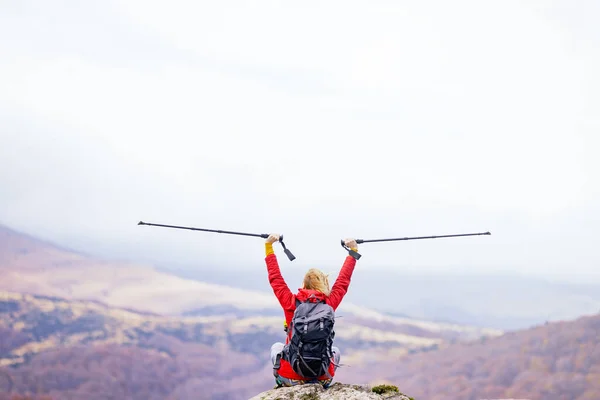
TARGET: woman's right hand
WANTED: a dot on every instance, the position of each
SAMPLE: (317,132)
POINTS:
(351,243)
(273,237)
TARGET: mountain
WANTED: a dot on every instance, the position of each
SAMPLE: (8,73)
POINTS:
(558,361)
(86,349)
(491,300)
(73,349)
(502,302)
(74,326)
(29,265)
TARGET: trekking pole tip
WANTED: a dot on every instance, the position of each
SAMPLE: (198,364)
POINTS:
(141,223)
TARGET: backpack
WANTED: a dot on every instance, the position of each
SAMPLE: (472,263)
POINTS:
(309,350)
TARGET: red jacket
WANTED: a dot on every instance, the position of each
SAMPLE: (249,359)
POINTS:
(288,301)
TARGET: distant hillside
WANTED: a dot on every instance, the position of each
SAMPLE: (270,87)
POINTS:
(87,350)
(501,301)
(32,266)
(21,251)
(83,349)
(75,349)
(35,267)
(556,361)
(73,327)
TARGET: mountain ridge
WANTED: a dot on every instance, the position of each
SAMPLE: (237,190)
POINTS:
(73,326)
(502,303)
(67,345)
(56,342)
(145,289)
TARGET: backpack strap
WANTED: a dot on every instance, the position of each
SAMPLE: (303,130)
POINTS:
(277,365)
(306,365)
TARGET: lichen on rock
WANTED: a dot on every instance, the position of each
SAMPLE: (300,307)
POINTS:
(337,391)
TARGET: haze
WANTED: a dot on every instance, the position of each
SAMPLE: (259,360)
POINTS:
(317,120)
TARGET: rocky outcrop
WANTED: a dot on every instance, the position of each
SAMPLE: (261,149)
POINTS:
(337,391)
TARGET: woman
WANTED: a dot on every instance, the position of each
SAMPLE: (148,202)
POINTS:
(316,284)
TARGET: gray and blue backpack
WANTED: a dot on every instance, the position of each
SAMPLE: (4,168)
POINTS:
(309,350)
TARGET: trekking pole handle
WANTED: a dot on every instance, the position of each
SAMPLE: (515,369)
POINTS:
(266,236)
(287,251)
(353,253)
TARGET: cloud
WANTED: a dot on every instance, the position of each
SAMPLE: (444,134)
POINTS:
(324,119)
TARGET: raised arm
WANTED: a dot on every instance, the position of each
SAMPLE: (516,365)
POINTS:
(280,288)
(340,287)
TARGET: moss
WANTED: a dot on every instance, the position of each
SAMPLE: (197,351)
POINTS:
(310,396)
(381,389)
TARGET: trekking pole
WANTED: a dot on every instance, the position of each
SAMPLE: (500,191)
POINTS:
(287,252)
(360,241)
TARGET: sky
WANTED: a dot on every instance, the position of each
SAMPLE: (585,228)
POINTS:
(318,120)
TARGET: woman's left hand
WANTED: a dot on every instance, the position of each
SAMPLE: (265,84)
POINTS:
(273,237)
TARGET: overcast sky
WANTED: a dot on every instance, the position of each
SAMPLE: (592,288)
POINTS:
(320,120)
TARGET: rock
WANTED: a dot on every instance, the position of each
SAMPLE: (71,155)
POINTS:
(337,391)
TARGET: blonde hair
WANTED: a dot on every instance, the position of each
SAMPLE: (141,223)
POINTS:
(316,280)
